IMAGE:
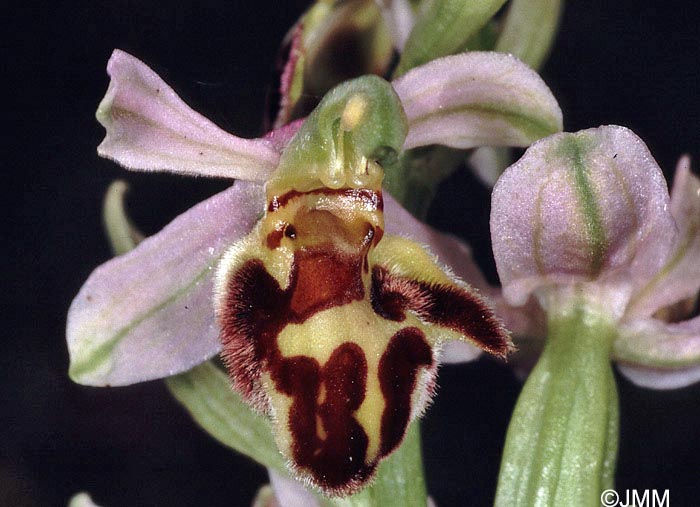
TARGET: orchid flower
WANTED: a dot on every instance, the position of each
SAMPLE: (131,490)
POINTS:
(148,314)
(149,128)
(583,226)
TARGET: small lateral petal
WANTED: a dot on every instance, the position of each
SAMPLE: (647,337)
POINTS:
(150,128)
(652,343)
(148,314)
(679,278)
(660,379)
(291,79)
(281,137)
(477,99)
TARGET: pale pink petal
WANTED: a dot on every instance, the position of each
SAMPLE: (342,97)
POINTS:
(477,99)
(590,206)
(656,344)
(660,379)
(399,19)
(148,314)
(290,492)
(150,128)
(679,278)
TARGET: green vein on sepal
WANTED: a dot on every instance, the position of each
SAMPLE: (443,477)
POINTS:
(100,355)
(575,149)
(531,126)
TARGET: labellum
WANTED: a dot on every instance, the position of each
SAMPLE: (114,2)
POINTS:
(328,325)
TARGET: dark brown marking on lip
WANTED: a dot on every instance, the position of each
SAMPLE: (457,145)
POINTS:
(257,309)
(254,312)
(391,296)
(371,198)
(399,367)
(249,323)
(447,306)
(335,457)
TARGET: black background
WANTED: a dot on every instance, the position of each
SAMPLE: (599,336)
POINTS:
(633,63)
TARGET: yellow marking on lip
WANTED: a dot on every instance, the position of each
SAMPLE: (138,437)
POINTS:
(320,431)
(357,323)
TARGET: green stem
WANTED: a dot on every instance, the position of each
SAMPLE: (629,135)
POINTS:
(562,439)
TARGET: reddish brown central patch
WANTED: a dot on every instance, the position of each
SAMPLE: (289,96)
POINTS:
(321,281)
